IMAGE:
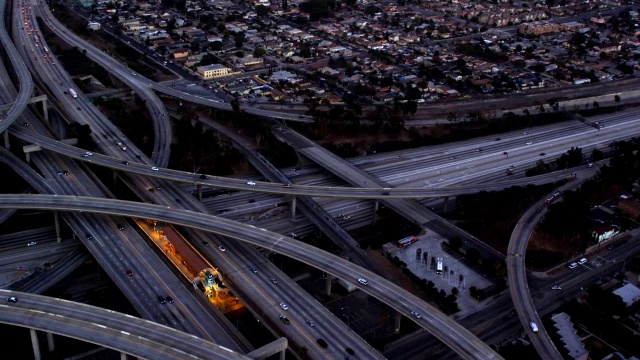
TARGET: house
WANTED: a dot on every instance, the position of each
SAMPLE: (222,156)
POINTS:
(180,54)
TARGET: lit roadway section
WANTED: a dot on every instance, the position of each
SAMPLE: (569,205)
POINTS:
(128,334)
(196,99)
(20,69)
(462,341)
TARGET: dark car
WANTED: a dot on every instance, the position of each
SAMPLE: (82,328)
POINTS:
(139,156)
(120,227)
(285,320)
(12,299)
(125,162)
(161,299)
(254,270)
(179,201)
(203,176)
(65,172)
(129,272)
(322,343)
(350,351)
(385,193)
(169,299)
(273,281)
(88,236)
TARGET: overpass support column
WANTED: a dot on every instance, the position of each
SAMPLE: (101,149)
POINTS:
(328,284)
(114,178)
(376,206)
(50,343)
(56,221)
(445,203)
(398,320)
(6,139)
(27,157)
(282,353)
(35,345)
(123,356)
(45,112)
(199,187)
(294,201)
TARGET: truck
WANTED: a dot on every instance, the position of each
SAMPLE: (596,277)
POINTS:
(347,285)
(73,93)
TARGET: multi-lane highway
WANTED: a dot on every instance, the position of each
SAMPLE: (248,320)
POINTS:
(448,331)
(125,333)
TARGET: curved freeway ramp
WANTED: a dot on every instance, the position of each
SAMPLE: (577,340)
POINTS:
(26,85)
(162,124)
(114,330)
(462,341)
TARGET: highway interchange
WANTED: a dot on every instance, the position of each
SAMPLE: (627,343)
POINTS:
(406,170)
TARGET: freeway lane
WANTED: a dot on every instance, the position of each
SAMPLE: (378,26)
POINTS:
(370,192)
(19,68)
(122,332)
(448,331)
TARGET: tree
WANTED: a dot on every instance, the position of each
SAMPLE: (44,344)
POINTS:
(262,10)
(259,51)
(455,243)
(239,40)
(473,255)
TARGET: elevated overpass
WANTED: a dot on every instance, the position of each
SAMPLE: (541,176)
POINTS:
(125,333)
(466,344)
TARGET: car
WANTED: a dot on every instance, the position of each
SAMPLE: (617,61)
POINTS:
(88,153)
(293,235)
(590,165)
(250,183)
(254,270)
(203,176)
(363,281)
(134,74)
(25,124)
(155,169)
(498,139)
(273,281)
(346,217)
(85,155)
(529,142)
(286,185)
(479,149)
(542,154)
(533,326)
(284,306)
(60,173)
(32,243)
(538,210)
(65,172)
(178,201)
(582,261)
(205,243)
(284,319)
(251,201)
(416,314)
(125,162)
(169,299)
(221,248)
(78,108)
(573,265)
(556,287)
(311,323)
(129,272)
(120,227)
(161,299)
(88,236)
(322,343)
(138,156)
(124,148)
(12,299)
(385,193)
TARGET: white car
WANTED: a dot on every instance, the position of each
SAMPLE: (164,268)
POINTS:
(284,306)
(31,243)
(251,183)
(530,143)
(573,265)
(582,261)
(416,314)
(556,287)
(363,281)
(534,327)
(221,248)
(155,169)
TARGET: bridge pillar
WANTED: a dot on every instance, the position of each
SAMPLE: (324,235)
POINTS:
(114,178)
(123,356)
(35,345)
(376,206)
(57,224)
(50,343)
(27,157)
(6,139)
(282,354)
(445,203)
(396,329)
(293,207)
(45,112)
(199,187)
(328,284)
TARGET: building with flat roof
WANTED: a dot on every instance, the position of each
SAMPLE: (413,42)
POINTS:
(212,71)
